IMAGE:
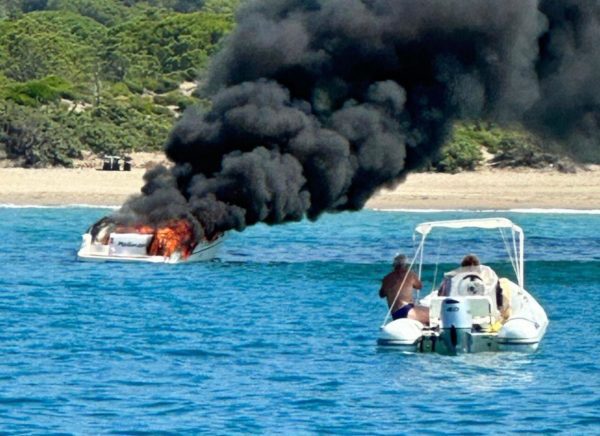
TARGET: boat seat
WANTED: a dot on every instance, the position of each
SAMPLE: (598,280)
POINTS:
(481,307)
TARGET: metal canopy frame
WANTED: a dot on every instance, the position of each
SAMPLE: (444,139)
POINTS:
(518,238)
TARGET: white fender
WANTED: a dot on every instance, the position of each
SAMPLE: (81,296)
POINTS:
(519,334)
(401,331)
(517,329)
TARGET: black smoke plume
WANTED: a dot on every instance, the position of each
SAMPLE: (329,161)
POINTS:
(316,104)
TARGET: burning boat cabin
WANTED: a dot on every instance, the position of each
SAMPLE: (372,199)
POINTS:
(172,242)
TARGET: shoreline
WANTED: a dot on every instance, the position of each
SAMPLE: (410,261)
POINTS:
(483,190)
(398,210)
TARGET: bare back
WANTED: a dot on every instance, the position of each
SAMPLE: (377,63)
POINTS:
(393,285)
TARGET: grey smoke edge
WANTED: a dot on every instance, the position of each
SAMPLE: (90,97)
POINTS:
(317,104)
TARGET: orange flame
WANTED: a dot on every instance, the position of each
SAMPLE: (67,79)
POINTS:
(174,235)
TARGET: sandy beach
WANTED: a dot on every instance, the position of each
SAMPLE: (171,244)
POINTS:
(484,189)
(495,189)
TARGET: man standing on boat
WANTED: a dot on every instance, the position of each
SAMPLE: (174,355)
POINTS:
(398,287)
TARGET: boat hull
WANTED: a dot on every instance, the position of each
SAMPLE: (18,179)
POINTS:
(468,342)
(94,252)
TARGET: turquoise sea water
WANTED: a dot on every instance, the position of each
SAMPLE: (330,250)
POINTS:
(279,334)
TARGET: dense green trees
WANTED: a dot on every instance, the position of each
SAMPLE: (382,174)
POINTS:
(36,138)
(99,75)
(158,49)
(49,43)
(105,12)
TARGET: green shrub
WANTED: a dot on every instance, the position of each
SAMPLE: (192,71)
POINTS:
(517,152)
(62,86)
(486,134)
(36,138)
(100,137)
(221,6)
(161,110)
(4,82)
(191,74)
(134,86)
(162,85)
(106,12)
(175,98)
(512,146)
(37,92)
(143,105)
(119,89)
(21,98)
(184,102)
(168,99)
(459,155)
(115,127)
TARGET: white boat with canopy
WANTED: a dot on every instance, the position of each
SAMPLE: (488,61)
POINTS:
(473,310)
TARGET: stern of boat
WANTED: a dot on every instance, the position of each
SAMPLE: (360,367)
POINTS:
(471,324)
(405,333)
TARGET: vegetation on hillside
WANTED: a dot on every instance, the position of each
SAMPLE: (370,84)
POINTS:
(99,75)
(105,76)
(506,147)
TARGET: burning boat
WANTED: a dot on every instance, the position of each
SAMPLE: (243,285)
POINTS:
(171,242)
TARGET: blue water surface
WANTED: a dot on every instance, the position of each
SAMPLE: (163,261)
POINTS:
(278,335)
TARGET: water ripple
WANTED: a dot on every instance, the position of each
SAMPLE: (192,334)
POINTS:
(278,335)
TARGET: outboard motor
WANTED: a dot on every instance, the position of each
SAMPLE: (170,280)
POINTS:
(455,325)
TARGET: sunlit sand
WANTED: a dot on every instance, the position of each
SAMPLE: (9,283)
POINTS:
(484,189)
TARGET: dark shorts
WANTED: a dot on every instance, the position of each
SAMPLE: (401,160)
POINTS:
(402,312)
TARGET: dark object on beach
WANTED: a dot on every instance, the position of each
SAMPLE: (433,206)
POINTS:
(112,163)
